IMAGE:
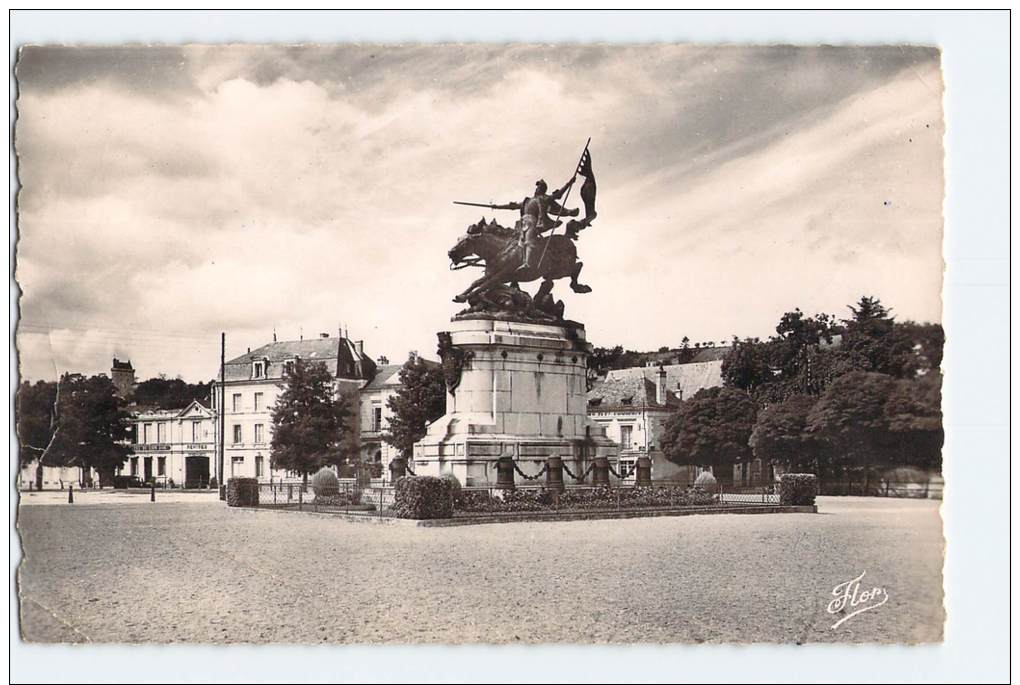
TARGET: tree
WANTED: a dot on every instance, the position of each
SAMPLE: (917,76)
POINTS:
(165,393)
(913,413)
(868,309)
(309,421)
(746,365)
(35,421)
(91,426)
(781,435)
(420,400)
(851,417)
(710,429)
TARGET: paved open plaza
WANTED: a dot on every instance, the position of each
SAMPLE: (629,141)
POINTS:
(187,569)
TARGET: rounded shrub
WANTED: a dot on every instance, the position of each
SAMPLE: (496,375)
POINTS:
(706,481)
(325,483)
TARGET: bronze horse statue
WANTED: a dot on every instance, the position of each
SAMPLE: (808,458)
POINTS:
(500,250)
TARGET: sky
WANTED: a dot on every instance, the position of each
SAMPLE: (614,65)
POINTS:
(169,194)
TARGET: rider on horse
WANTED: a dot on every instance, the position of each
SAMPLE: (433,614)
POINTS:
(535,220)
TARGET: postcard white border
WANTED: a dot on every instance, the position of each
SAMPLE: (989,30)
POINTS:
(976,60)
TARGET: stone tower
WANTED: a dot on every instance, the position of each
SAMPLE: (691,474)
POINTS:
(123,376)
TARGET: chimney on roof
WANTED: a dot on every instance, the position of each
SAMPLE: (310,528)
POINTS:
(383,360)
(359,347)
(660,387)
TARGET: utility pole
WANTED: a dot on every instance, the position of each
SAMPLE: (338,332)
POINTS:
(223,406)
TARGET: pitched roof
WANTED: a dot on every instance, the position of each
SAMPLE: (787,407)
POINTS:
(144,412)
(626,393)
(340,355)
(635,388)
(388,374)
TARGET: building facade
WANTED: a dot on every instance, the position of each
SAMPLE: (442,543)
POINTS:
(252,383)
(633,405)
(172,447)
(51,477)
(374,415)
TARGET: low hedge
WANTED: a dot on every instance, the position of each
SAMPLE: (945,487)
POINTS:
(423,497)
(581,499)
(337,498)
(798,489)
(242,492)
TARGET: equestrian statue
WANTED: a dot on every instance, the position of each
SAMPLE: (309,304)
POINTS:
(523,253)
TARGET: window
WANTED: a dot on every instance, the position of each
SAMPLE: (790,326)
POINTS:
(134,466)
(259,433)
(258,369)
(288,367)
(161,466)
(237,402)
(258,466)
(237,434)
(161,432)
(258,402)
(626,433)
(196,431)
(376,417)
(236,465)
(146,434)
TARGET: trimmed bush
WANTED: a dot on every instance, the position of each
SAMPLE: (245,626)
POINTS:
(454,485)
(798,489)
(242,492)
(325,483)
(706,481)
(423,497)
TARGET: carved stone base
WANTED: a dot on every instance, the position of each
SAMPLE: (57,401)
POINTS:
(521,392)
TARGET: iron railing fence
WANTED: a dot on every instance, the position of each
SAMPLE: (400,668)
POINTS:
(930,488)
(345,498)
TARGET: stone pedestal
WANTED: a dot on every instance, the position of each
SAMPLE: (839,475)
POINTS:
(517,390)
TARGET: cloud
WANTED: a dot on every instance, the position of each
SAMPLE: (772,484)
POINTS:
(304,188)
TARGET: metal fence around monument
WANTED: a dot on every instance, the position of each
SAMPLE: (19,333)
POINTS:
(348,497)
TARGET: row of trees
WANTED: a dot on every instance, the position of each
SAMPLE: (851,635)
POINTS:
(832,397)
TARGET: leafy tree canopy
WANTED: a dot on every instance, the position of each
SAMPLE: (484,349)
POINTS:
(91,425)
(169,393)
(310,421)
(710,429)
(35,418)
(420,400)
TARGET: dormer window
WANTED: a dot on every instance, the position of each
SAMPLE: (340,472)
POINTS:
(288,367)
(258,369)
